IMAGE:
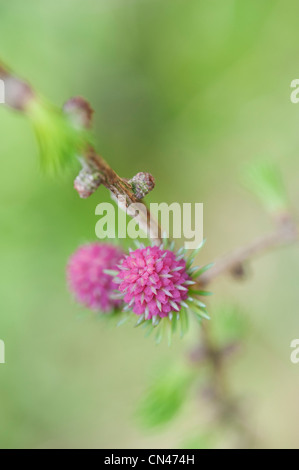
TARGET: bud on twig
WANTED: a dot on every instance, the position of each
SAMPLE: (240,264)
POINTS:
(88,181)
(142,184)
(79,111)
(239,271)
(17,92)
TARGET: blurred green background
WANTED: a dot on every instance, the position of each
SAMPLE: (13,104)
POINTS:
(190,91)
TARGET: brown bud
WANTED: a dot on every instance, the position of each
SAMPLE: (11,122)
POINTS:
(79,111)
(17,93)
(238,271)
(87,182)
(142,184)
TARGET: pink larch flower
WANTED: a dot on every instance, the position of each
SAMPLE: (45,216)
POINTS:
(91,286)
(154,282)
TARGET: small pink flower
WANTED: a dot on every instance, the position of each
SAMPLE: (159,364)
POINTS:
(154,282)
(91,286)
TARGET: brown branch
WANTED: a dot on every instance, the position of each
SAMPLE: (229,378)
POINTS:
(285,234)
(122,191)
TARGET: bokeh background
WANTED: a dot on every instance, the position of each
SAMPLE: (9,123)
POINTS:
(190,91)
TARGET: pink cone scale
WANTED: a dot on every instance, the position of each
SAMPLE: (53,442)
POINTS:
(154,282)
(87,279)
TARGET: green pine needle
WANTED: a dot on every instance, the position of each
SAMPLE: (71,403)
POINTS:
(59,141)
(165,396)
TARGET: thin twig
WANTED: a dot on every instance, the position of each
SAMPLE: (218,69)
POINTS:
(124,196)
(285,234)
